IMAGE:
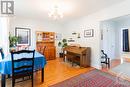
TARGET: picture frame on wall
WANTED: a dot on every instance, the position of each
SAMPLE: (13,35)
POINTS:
(89,33)
(24,35)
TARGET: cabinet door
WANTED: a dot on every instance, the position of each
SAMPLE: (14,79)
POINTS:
(52,53)
(46,54)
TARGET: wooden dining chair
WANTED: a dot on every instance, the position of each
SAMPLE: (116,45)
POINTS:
(22,65)
(42,49)
(2,53)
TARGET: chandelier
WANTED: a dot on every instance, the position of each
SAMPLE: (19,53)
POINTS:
(55,13)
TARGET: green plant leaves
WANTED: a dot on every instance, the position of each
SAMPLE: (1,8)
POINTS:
(13,40)
(63,43)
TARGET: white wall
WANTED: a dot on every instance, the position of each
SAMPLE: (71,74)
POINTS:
(93,22)
(34,25)
(93,42)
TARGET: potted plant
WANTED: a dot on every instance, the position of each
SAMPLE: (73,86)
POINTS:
(12,42)
(62,44)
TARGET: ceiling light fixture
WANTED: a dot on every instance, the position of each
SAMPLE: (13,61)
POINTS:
(55,13)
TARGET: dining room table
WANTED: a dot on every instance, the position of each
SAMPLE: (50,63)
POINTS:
(6,66)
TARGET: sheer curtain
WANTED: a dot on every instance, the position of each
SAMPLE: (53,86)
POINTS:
(4,34)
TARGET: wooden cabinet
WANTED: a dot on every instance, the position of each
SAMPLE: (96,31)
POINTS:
(50,53)
(46,39)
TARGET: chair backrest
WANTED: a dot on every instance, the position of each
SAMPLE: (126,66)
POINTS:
(44,50)
(104,54)
(22,62)
(2,53)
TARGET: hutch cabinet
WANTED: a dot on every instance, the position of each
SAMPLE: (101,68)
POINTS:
(45,44)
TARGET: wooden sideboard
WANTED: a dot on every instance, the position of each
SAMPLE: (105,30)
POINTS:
(84,53)
(47,40)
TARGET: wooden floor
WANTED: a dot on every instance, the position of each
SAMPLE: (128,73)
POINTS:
(113,63)
(55,71)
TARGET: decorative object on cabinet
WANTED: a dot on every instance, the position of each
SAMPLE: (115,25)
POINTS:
(24,35)
(45,44)
(89,33)
(39,37)
(62,44)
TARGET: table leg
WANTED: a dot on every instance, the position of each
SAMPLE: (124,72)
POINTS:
(81,60)
(63,56)
(3,80)
(42,74)
(9,76)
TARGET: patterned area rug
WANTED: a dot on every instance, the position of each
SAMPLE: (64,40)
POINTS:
(94,78)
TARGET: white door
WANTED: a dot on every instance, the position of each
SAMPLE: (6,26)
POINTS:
(108,43)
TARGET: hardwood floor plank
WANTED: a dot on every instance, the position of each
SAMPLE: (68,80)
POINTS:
(55,71)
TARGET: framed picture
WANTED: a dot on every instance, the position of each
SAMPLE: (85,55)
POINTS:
(24,35)
(89,33)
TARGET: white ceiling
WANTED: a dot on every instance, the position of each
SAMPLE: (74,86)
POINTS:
(72,9)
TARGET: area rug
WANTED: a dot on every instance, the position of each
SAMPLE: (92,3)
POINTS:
(94,78)
(122,70)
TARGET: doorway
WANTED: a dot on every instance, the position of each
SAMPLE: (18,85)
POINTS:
(112,40)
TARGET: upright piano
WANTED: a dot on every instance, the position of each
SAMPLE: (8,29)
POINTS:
(84,53)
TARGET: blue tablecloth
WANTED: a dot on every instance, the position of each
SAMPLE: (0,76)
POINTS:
(6,64)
